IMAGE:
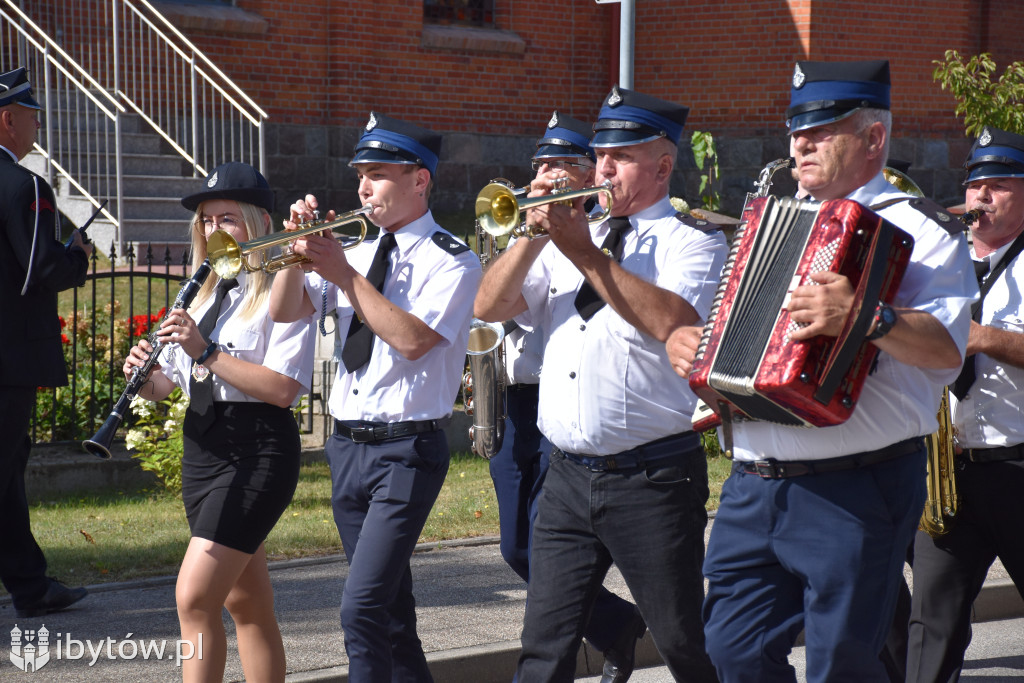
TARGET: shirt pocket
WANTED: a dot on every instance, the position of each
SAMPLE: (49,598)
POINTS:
(241,341)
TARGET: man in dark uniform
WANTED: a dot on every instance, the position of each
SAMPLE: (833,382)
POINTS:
(34,266)
(404,304)
(627,479)
(520,466)
(987,410)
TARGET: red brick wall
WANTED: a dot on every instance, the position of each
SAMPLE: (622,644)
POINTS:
(330,61)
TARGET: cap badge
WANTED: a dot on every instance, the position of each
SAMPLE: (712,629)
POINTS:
(212,181)
(615,98)
(372,123)
(986,138)
(553,123)
(798,77)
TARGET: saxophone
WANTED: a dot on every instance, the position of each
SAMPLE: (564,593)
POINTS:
(483,385)
(942,502)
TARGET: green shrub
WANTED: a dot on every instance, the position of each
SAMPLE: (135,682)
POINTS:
(156,437)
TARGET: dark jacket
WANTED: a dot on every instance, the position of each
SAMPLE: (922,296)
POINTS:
(34,266)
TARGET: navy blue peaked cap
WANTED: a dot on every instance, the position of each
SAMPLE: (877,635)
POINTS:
(390,141)
(825,92)
(565,137)
(995,154)
(16,89)
(629,118)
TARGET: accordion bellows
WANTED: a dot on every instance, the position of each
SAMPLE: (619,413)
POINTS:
(746,361)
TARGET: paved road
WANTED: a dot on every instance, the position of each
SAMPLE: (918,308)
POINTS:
(470,608)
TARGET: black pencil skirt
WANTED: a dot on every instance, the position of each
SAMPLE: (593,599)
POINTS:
(239,476)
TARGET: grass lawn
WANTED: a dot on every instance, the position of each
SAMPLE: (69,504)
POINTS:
(121,535)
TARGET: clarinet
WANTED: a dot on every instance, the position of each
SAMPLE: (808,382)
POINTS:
(99,445)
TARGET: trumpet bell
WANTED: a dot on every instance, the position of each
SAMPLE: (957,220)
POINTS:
(498,208)
(229,258)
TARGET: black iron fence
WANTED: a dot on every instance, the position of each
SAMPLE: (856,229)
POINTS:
(117,305)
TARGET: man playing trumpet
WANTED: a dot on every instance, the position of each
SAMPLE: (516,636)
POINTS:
(404,305)
(627,480)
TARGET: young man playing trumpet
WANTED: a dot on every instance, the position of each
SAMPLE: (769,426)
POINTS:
(404,304)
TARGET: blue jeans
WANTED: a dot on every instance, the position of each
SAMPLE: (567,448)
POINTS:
(820,552)
(382,494)
(650,523)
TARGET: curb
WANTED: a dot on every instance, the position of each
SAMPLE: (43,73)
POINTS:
(495,662)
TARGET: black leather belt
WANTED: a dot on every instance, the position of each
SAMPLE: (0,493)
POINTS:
(996,454)
(784,469)
(641,456)
(372,432)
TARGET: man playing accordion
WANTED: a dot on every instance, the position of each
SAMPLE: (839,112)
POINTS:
(819,543)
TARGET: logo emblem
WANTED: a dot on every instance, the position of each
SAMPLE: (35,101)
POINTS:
(615,98)
(554,120)
(212,181)
(798,77)
(30,649)
(943,218)
(372,123)
(986,137)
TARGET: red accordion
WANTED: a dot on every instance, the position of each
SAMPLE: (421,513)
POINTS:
(746,362)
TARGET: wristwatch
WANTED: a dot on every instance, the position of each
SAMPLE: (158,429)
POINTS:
(885,318)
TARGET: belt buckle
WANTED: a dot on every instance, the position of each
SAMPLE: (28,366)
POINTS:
(767,469)
(361,434)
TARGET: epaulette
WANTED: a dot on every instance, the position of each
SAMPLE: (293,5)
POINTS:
(449,243)
(950,223)
(704,226)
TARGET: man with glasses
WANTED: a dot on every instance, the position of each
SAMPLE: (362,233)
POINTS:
(627,479)
(519,467)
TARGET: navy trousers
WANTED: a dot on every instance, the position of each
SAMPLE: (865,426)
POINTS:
(22,564)
(382,494)
(650,522)
(518,471)
(821,552)
(949,571)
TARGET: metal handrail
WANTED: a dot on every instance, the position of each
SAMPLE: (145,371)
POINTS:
(110,57)
(63,75)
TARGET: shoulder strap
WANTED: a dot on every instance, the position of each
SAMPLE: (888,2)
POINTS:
(1011,253)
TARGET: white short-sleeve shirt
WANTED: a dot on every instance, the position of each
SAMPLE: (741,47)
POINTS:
(992,412)
(285,348)
(434,276)
(898,401)
(605,386)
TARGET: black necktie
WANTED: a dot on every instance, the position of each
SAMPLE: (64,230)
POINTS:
(359,342)
(968,373)
(588,302)
(201,401)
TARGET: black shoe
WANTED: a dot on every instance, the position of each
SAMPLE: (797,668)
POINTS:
(620,657)
(56,598)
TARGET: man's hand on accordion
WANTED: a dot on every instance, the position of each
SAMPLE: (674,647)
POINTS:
(681,347)
(822,307)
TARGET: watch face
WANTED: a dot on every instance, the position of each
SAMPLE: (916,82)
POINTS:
(888,315)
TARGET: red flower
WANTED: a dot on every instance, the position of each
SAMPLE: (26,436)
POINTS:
(64,338)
